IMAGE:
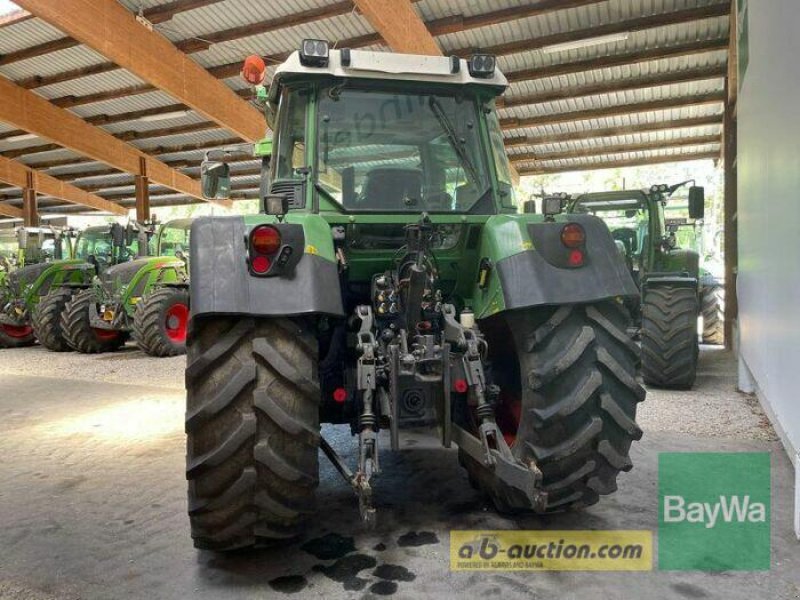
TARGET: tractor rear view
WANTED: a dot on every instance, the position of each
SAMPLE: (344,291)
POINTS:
(390,283)
(668,276)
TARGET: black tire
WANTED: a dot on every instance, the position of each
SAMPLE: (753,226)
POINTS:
(46,319)
(714,315)
(669,336)
(252,421)
(152,327)
(16,337)
(575,379)
(78,331)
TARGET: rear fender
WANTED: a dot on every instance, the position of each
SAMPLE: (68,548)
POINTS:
(529,265)
(220,281)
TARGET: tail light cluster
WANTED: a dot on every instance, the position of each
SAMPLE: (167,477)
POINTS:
(573,237)
(267,251)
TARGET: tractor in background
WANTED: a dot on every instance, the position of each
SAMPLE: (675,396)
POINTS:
(390,283)
(712,277)
(26,253)
(667,276)
(43,299)
(147,297)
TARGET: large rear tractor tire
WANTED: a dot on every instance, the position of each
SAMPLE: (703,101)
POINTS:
(78,330)
(13,336)
(714,314)
(568,402)
(47,319)
(160,322)
(669,336)
(252,421)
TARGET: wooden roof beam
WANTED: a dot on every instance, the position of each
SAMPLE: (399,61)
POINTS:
(613,111)
(619,60)
(604,132)
(11,211)
(19,175)
(614,164)
(400,26)
(435,27)
(699,140)
(621,85)
(109,28)
(12,18)
(32,113)
(156,15)
(628,26)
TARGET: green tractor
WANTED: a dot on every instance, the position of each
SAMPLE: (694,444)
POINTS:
(26,254)
(390,283)
(148,297)
(688,234)
(667,275)
(49,290)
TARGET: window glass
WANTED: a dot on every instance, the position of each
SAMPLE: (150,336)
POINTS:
(290,142)
(396,151)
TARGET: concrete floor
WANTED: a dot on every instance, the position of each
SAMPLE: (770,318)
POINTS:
(92,501)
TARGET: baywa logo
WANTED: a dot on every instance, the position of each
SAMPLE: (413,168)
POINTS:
(714,511)
(729,509)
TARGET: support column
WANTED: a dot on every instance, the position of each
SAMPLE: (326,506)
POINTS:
(731,201)
(141,182)
(730,224)
(30,202)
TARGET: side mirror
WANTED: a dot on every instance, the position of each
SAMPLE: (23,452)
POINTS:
(117,235)
(22,238)
(215,180)
(529,207)
(697,202)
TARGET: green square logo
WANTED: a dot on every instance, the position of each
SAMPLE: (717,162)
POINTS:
(714,511)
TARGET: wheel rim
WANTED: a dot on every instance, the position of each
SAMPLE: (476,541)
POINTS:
(105,335)
(17,331)
(176,321)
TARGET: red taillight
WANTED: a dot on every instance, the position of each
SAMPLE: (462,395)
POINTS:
(254,69)
(572,235)
(265,240)
(575,258)
(261,264)
(460,386)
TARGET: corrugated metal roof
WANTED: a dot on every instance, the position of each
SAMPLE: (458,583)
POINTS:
(235,13)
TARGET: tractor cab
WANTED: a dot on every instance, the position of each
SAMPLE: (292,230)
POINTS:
(32,245)
(647,240)
(106,245)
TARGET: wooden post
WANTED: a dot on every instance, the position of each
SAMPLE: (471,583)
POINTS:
(30,202)
(141,183)
(731,199)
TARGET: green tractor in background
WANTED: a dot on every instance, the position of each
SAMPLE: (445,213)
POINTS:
(667,275)
(26,255)
(390,283)
(43,298)
(148,296)
(712,276)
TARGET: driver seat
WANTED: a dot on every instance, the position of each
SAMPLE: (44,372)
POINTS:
(387,188)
